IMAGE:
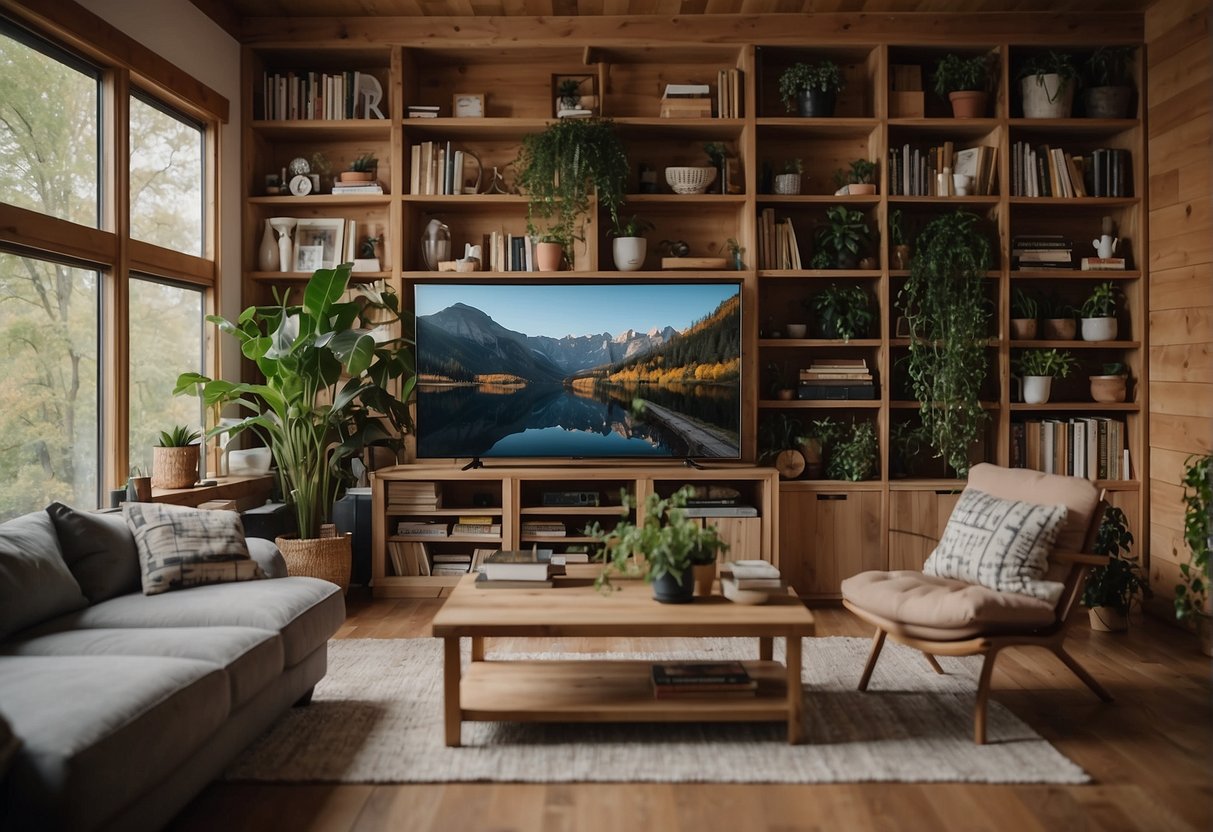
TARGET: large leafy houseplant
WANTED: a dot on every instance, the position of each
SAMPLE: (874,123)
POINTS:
(1118,583)
(328,389)
(1192,593)
(842,312)
(560,170)
(844,235)
(945,309)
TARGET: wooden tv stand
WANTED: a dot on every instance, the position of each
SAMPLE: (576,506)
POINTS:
(511,494)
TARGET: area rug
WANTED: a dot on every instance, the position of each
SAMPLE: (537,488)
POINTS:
(376,718)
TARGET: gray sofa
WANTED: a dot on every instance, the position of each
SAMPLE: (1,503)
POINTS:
(114,714)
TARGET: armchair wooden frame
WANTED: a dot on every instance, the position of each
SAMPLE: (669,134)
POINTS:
(1050,638)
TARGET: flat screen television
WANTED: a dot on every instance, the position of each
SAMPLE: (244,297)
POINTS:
(593,370)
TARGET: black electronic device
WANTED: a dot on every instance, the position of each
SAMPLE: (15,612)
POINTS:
(555,499)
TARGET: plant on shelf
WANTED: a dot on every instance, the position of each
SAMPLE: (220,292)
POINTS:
(788,182)
(777,433)
(1111,589)
(842,312)
(362,169)
(782,380)
(629,247)
(944,305)
(669,542)
(175,458)
(861,177)
(736,253)
(1047,81)
(717,152)
(899,240)
(965,82)
(179,436)
(1038,369)
(1099,313)
(1024,310)
(560,170)
(1059,317)
(1192,593)
(331,390)
(813,86)
(1111,384)
(569,91)
(853,456)
(1109,90)
(844,236)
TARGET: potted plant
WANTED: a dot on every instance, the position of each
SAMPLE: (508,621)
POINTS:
(842,312)
(1059,319)
(861,178)
(814,87)
(1039,368)
(629,246)
(736,253)
(842,238)
(1112,385)
(560,170)
(175,458)
(899,240)
(788,182)
(331,390)
(669,542)
(361,169)
(568,93)
(780,445)
(965,82)
(943,301)
(1109,85)
(1024,310)
(1099,313)
(1192,593)
(1111,589)
(783,381)
(1047,82)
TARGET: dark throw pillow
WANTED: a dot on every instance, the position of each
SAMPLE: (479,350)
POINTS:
(99,550)
(35,583)
(183,547)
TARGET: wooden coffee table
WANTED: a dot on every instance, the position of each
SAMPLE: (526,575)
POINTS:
(609,691)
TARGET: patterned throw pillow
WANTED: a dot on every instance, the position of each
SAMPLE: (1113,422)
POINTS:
(183,547)
(1000,544)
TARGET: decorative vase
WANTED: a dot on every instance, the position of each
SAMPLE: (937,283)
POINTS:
(284,226)
(548,256)
(1108,619)
(901,257)
(327,558)
(1099,329)
(705,577)
(669,590)
(435,244)
(1060,329)
(267,252)
(1109,389)
(815,103)
(628,253)
(1047,97)
(1107,102)
(1023,329)
(1036,389)
(175,467)
(787,184)
(968,103)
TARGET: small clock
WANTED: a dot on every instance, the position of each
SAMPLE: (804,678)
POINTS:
(301,185)
(467,105)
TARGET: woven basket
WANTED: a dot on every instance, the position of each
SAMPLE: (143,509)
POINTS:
(327,558)
(175,467)
(690,180)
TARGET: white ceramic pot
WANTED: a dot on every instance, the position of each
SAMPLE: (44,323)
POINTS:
(1045,97)
(629,252)
(1099,329)
(1036,389)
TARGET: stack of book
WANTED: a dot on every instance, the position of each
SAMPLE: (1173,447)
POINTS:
(436,168)
(518,569)
(403,497)
(837,379)
(692,679)
(451,565)
(422,111)
(1041,251)
(476,525)
(340,188)
(422,529)
(408,559)
(777,243)
(1091,447)
(505,252)
(543,528)
(750,576)
(686,101)
(1052,171)
(729,93)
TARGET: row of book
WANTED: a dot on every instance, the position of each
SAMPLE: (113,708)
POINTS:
(325,96)
(1091,447)
(777,244)
(411,559)
(437,529)
(837,379)
(916,171)
(403,497)
(1052,171)
(730,93)
(505,252)
(436,168)
(543,528)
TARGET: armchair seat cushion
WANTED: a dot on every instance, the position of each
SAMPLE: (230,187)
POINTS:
(926,606)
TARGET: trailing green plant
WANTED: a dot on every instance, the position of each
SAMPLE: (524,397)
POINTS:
(1192,593)
(824,76)
(670,542)
(633,226)
(179,436)
(1118,583)
(853,457)
(560,170)
(364,163)
(1023,305)
(1101,303)
(331,389)
(842,312)
(897,233)
(1108,66)
(957,74)
(845,233)
(944,304)
(1051,63)
(1051,362)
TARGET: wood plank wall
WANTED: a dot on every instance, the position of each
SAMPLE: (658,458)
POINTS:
(1180,136)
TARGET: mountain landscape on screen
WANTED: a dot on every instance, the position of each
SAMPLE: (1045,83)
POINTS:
(488,390)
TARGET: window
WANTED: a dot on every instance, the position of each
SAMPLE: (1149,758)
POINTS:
(49,137)
(166,338)
(49,389)
(166,177)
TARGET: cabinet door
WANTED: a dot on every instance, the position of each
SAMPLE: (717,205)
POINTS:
(916,522)
(743,534)
(828,536)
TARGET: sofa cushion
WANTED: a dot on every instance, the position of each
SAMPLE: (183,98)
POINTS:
(933,607)
(35,583)
(100,731)
(266,553)
(1001,544)
(99,550)
(183,547)
(251,658)
(305,611)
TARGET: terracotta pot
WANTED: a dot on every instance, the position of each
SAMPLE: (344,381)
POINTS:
(1108,619)
(705,577)
(1023,329)
(1060,329)
(901,257)
(175,467)
(548,256)
(1099,329)
(327,558)
(1109,389)
(140,489)
(861,188)
(357,175)
(968,103)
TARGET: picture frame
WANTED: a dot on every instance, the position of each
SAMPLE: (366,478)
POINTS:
(467,105)
(326,234)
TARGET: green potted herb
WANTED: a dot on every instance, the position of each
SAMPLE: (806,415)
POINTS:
(944,304)
(668,543)
(175,458)
(843,237)
(1039,368)
(965,82)
(1109,83)
(899,241)
(561,170)
(361,169)
(814,87)
(788,182)
(1047,81)
(1111,589)
(1192,593)
(862,177)
(1099,313)
(1024,310)
(629,247)
(841,312)
(1111,385)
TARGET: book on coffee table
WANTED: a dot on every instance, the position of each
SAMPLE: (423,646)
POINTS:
(684,678)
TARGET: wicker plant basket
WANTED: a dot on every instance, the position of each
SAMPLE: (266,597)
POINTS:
(327,558)
(175,467)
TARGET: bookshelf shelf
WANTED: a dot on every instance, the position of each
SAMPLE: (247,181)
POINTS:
(1092,407)
(819,404)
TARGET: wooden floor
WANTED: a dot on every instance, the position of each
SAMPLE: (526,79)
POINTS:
(1149,754)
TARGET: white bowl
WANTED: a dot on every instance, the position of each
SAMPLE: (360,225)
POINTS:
(250,462)
(690,180)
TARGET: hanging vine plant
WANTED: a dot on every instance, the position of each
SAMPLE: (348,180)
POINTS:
(560,169)
(948,317)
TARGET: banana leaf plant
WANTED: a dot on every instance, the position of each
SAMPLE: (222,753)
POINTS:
(331,387)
